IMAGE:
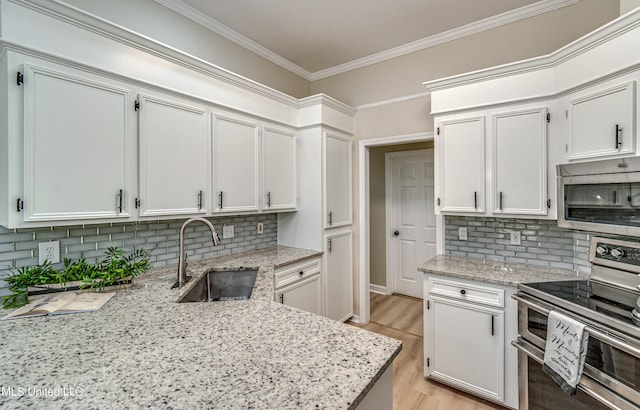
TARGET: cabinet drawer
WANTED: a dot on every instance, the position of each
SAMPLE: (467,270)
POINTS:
(454,289)
(288,274)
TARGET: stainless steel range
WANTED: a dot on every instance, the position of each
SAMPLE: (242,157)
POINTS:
(606,304)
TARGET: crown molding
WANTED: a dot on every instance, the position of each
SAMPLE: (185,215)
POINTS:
(609,31)
(72,15)
(325,100)
(531,10)
(521,13)
(214,25)
(394,100)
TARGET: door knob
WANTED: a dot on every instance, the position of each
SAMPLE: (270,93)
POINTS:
(396,233)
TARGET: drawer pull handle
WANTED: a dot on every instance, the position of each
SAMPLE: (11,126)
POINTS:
(462,291)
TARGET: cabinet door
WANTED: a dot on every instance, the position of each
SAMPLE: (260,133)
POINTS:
(602,123)
(337,182)
(236,162)
(520,162)
(460,144)
(338,276)
(305,294)
(75,147)
(173,154)
(466,347)
(279,169)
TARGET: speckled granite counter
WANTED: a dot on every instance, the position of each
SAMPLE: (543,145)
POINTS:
(144,350)
(500,273)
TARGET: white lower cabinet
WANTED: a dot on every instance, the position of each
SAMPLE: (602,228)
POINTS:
(467,338)
(300,285)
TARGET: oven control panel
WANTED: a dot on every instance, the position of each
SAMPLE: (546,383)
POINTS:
(615,253)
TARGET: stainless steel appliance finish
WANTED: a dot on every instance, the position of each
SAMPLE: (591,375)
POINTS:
(611,377)
(600,196)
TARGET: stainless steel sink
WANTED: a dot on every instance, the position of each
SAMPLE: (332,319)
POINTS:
(222,285)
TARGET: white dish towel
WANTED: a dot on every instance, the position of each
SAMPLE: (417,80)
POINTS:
(565,351)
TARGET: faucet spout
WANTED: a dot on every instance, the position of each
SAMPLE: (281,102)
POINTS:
(182,261)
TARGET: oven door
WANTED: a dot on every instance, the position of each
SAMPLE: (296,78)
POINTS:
(611,376)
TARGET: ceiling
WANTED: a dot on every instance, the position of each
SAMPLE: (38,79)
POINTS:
(316,39)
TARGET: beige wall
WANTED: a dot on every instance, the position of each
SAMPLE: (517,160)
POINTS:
(523,39)
(628,5)
(378,210)
(153,20)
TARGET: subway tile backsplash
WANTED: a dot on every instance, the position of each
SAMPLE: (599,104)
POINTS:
(20,247)
(543,243)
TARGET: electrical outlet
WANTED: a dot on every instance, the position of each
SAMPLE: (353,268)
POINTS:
(515,238)
(260,227)
(462,233)
(49,251)
(228,232)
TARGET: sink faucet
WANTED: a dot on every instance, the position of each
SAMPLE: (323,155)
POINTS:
(182,262)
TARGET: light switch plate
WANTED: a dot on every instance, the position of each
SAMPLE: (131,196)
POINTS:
(49,251)
(228,232)
(462,233)
(260,227)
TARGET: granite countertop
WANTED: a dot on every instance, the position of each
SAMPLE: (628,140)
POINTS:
(144,350)
(510,274)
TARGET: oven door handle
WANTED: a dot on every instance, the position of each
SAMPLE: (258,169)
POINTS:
(616,342)
(586,384)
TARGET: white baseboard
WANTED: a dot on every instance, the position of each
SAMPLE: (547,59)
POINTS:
(354,319)
(378,289)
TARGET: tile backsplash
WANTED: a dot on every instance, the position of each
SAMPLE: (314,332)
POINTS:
(543,243)
(20,247)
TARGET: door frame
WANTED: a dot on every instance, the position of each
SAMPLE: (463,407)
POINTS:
(388,203)
(363,217)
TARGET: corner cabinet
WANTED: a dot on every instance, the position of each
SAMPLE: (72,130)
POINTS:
(468,327)
(173,161)
(461,147)
(76,150)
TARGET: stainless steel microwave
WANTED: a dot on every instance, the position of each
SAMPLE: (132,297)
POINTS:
(600,196)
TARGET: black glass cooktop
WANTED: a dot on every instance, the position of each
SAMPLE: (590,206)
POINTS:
(599,301)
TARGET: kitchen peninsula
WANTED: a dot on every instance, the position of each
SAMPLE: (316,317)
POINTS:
(144,350)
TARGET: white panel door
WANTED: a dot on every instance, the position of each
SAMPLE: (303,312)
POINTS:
(461,148)
(279,169)
(236,162)
(603,123)
(338,276)
(466,347)
(337,182)
(75,147)
(412,225)
(520,162)
(173,153)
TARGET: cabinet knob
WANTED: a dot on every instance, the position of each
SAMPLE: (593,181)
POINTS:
(462,291)
(301,273)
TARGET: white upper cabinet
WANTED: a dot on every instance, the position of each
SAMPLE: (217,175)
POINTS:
(278,169)
(520,162)
(236,164)
(173,157)
(75,147)
(461,147)
(337,181)
(602,122)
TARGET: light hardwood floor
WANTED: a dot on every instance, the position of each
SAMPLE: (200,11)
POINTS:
(400,317)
